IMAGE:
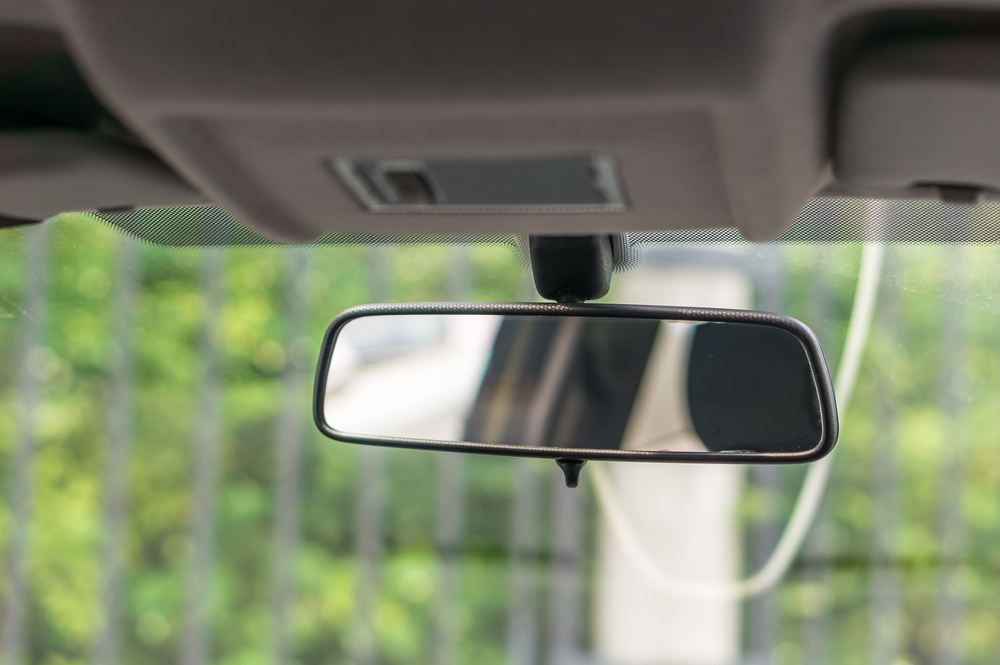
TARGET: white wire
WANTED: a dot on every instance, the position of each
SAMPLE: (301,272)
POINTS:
(813,486)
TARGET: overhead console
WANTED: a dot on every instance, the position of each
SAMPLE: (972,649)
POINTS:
(60,149)
(525,116)
(706,111)
(918,104)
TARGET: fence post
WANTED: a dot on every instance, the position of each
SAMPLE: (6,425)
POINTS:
(370,500)
(14,626)
(761,611)
(116,452)
(206,440)
(522,637)
(289,439)
(448,537)
(885,592)
(817,548)
(565,564)
(450,502)
(951,532)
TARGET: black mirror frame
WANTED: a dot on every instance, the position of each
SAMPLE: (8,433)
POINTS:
(817,362)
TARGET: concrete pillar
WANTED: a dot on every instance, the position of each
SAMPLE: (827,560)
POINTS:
(685,515)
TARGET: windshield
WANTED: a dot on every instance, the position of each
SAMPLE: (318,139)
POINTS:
(168,496)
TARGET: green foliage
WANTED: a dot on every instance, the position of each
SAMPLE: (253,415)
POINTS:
(900,397)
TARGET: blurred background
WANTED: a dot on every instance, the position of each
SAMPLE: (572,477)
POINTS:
(167,498)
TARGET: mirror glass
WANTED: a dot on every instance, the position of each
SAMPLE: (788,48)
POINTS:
(574,382)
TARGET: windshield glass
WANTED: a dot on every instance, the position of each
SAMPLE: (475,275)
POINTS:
(168,497)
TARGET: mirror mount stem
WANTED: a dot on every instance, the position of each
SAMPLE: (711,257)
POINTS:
(570,269)
(569,296)
(571,470)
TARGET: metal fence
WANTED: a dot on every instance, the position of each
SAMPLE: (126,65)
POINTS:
(548,555)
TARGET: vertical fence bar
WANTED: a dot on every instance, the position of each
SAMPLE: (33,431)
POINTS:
(522,620)
(449,504)
(206,440)
(370,499)
(459,273)
(14,623)
(885,592)
(523,614)
(289,445)
(565,572)
(448,537)
(116,455)
(368,546)
(761,619)
(951,533)
(816,626)
(522,639)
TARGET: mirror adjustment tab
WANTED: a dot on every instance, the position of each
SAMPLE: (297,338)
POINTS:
(571,469)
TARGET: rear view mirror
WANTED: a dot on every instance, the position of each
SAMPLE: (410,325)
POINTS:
(582,381)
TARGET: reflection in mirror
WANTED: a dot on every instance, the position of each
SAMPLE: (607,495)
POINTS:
(574,382)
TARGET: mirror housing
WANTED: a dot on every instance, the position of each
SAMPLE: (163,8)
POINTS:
(812,375)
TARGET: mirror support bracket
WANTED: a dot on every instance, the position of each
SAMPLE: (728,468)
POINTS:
(571,470)
(571,269)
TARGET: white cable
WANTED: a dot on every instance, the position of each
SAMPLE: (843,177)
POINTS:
(813,486)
